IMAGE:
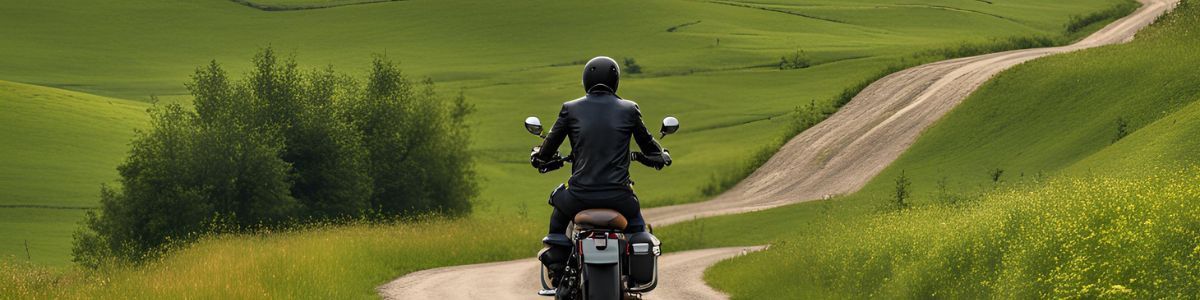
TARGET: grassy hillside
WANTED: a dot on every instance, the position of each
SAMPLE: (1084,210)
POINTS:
(1076,213)
(712,64)
(61,143)
(58,147)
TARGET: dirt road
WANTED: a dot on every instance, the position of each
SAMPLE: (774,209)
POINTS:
(837,156)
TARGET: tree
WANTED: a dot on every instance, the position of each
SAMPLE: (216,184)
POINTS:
(182,177)
(326,154)
(415,144)
(282,146)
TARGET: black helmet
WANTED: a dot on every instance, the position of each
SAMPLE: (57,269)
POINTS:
(601,71)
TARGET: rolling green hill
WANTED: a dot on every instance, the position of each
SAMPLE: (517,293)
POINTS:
(61,143)
(712,64)
(1079,211)
(59,146)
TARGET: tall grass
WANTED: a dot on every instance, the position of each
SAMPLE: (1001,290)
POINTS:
(1077,237)
(330,262)
(1079,23)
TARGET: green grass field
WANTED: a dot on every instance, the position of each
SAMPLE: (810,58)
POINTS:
(712,64)
(1077,212)
(59,146)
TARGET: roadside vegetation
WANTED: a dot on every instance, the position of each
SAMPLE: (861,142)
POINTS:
(1020,192)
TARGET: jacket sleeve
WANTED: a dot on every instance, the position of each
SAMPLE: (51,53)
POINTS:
(555,137)
(642,136)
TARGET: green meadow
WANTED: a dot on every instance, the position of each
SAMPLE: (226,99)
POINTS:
(1096,198)
(79,74)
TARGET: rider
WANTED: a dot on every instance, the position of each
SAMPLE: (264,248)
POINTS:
(599,126)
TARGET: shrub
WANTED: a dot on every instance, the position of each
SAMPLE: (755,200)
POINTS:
(806,117)
(1078,23)
(797,60)
(902,191)
(1122,129)
(992,46)
(414,144)
(631,66)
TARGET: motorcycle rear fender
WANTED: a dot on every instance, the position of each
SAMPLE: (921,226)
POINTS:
(609,255)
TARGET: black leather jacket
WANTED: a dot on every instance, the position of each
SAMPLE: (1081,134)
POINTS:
(600,126)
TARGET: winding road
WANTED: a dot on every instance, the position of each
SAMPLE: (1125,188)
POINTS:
(837,156)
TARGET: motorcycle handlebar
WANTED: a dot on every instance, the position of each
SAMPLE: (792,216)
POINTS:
(657,161)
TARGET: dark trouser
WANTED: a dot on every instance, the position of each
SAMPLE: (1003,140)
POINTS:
(567,204)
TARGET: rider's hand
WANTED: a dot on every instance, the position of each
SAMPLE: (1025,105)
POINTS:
(544,166)
(533,159)
(656,162)
(551,166)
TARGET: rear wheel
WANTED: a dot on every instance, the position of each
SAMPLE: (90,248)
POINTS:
(603,282)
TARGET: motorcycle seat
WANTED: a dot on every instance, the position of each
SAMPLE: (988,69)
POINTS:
(600,218)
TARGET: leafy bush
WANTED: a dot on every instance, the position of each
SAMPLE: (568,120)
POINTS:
(797,60)
(631,66)
(807,116)
(414,144)
(993,46)
(902,192)
(1122,129)
(279,147)
(995,174)
(1078,23)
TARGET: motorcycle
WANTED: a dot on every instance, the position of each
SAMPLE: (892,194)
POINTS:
(604,262)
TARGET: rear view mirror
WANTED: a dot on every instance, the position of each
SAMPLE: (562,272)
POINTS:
(669,125)
(533,125)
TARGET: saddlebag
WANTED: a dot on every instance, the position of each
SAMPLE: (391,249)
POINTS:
(644,250)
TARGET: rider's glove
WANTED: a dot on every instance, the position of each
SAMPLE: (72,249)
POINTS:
(551,166)
(544,166)
(656,161)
